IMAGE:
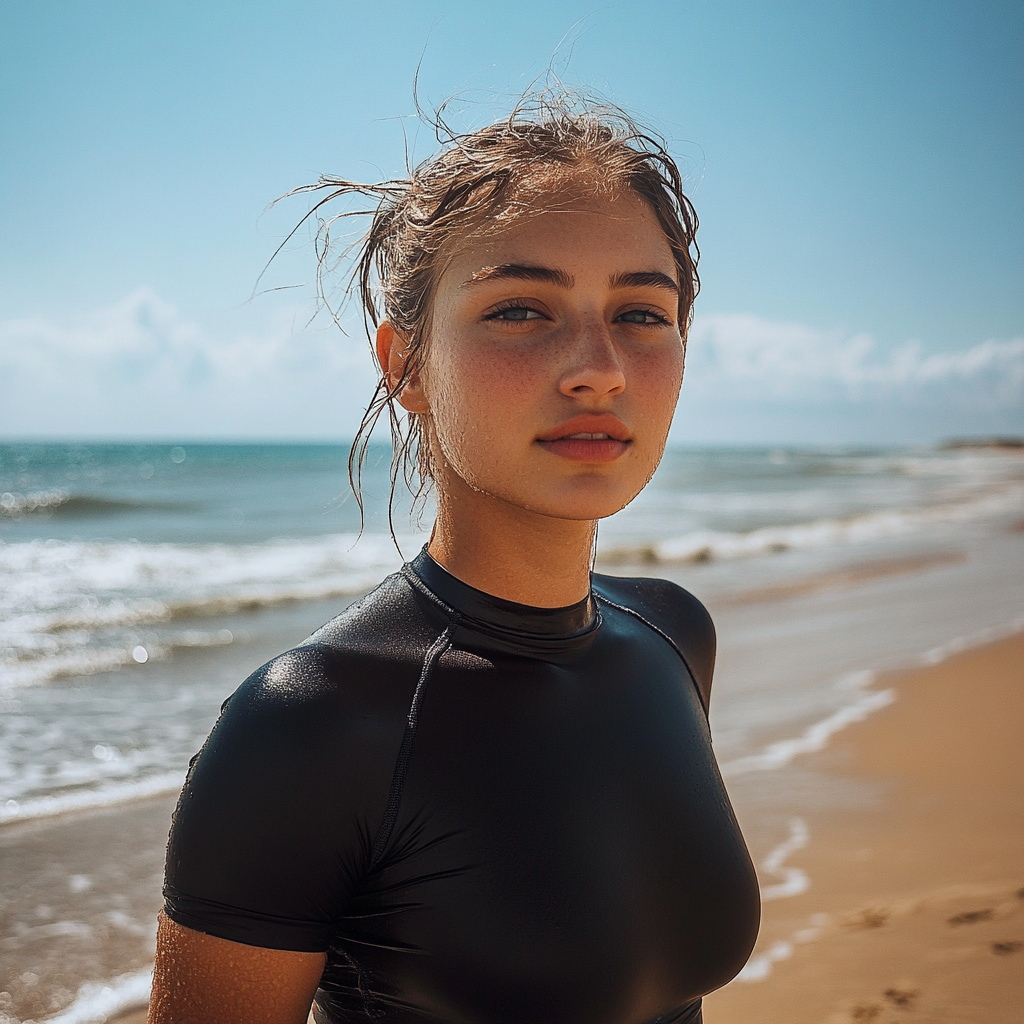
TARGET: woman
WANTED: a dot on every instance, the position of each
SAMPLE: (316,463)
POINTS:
(486,792)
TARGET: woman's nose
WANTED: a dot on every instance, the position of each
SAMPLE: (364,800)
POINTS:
(593,365)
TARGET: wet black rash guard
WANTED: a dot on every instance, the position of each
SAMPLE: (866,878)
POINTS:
(483,812)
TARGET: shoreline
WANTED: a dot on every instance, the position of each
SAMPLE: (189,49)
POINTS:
(910,904)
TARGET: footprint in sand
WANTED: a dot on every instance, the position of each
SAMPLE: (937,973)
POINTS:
(901,996)
(971,917)
(1007,948)
(871,917)
(865,1011)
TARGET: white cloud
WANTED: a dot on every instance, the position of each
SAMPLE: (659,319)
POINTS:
(768,359)
(138,367)
(750,379)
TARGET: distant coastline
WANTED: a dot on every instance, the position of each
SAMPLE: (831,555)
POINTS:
(996,443)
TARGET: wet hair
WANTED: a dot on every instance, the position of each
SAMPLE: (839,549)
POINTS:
(553,145)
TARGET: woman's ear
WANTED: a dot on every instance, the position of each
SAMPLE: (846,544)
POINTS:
(392,352)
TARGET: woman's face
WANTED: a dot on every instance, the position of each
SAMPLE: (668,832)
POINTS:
(555,359)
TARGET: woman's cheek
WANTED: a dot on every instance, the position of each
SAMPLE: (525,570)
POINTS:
(502,388)
(656,383)
(471,405)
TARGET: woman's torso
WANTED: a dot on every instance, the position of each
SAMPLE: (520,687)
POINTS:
(484,812)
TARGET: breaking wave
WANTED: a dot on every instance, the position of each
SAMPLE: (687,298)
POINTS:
(711,545)
(63,503)
(99,1001)
(76,608)
(85,800)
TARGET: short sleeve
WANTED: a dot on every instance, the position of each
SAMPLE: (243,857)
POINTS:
(270,834)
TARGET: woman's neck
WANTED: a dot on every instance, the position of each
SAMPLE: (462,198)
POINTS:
(511,552)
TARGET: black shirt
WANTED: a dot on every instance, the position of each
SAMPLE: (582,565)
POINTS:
(483,812)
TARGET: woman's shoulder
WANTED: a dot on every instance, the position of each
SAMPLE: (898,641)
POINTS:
(334,707)
(270,830)
(363,659)
(672,612)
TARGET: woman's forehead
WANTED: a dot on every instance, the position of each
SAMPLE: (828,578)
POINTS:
(617,233)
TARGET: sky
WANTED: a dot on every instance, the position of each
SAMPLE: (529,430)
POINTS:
(858,170)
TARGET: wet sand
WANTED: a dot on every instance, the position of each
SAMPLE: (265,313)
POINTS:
(915,909)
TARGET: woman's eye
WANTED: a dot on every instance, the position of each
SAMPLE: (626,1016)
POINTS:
(641,316)
(514,314)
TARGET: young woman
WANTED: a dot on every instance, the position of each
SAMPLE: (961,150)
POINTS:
(486,793)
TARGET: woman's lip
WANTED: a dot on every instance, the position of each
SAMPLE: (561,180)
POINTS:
(579,449)
(588,424)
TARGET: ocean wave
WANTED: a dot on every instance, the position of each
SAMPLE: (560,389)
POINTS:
(89,662)
(794,880)
(89,505)
(64,503)
(814,738)
(817,735)
(759,966)
(14,504)
(87,800)
(77,607)
(710,545)
(99,1001)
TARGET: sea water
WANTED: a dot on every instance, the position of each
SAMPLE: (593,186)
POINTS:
(139,584)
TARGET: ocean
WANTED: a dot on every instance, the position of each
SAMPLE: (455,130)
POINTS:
(140,583)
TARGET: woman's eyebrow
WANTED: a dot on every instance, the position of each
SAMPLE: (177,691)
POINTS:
(549,275)
(523,272)
(644,279)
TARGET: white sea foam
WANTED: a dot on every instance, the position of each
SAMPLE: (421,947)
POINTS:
(15,504)
(106,796)
(794,881)
(816,736)
(88,660)
(708,545)
(965,643)
(98,1002)
(70,608)
(759,967)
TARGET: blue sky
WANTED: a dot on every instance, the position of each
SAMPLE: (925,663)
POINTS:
(858,169)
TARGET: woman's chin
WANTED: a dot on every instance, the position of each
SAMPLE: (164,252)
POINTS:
(584,504)
(583,497)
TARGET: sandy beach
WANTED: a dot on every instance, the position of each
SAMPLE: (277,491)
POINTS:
(915,907)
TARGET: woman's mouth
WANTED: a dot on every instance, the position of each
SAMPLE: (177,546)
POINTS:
(569,441)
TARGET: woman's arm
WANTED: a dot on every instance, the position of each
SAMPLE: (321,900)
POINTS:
(200,979)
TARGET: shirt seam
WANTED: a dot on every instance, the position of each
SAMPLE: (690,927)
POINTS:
(675,647)
(401,770)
